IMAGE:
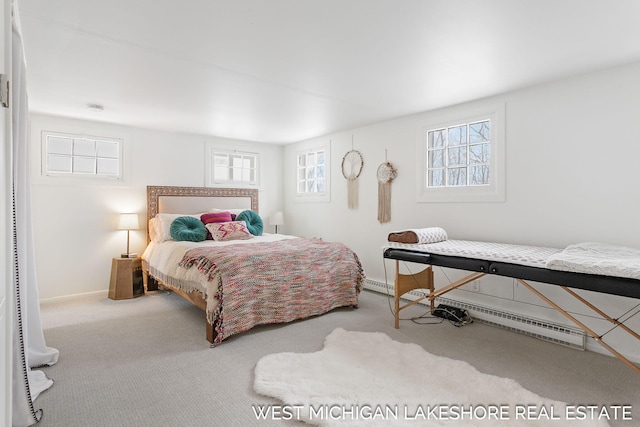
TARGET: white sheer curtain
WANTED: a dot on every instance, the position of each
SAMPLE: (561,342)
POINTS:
(29,348)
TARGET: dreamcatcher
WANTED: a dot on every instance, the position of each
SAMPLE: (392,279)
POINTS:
(352,164)
(386,174)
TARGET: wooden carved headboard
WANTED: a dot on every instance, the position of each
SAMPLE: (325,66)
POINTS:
(193,200)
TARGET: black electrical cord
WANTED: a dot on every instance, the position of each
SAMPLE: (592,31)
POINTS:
(625,320)
(427,318)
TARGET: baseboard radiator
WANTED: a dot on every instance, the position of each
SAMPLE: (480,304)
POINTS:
(541,329)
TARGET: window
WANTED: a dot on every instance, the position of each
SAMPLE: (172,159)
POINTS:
(311,172)
(232,168)
(78,155)
(459,155)
(462,160)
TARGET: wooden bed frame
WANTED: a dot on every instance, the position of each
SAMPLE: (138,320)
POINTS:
(193,200)
(479,267)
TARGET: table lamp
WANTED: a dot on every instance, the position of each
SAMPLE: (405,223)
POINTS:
(276,219)
(128,221)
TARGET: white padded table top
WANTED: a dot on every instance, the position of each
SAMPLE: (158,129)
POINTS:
(532,256)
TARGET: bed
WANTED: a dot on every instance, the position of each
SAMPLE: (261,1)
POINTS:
(589,266)
(242,282)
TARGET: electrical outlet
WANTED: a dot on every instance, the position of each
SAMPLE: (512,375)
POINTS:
(475,286)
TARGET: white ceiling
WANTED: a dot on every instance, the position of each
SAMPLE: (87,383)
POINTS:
(288,70)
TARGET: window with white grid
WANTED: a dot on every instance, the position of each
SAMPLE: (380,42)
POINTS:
(233,168)
(459,155)
(81,156)
(462,159)
(312,172)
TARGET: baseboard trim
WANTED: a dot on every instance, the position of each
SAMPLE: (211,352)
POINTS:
(387,289)
(85,295)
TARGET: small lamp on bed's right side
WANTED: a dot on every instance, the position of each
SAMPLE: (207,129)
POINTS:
(276,219)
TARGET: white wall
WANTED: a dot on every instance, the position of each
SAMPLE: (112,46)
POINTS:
(75,222)
(572,150)
(572,153)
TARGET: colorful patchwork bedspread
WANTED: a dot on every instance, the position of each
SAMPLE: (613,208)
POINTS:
(277,282)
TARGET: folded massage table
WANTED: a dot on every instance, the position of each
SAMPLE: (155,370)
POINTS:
(593,267)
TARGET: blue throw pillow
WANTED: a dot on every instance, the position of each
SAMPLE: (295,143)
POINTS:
(253,220)
(188,228)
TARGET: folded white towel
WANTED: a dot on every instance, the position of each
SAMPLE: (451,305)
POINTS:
(598,258)
(419,235)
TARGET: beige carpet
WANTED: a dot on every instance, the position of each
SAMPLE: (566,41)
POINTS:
(145,362)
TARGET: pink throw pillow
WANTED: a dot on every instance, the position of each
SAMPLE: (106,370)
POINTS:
(210,217)
(213,217)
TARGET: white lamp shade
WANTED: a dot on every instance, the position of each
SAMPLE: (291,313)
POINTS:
(276,219)
(128,221)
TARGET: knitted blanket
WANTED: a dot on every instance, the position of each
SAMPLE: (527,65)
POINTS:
(277,282)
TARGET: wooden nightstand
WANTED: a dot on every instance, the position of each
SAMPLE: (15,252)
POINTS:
(126,278)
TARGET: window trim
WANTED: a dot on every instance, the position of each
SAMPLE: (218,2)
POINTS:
(212,148)
(314,197)
(73,176)
(495,190)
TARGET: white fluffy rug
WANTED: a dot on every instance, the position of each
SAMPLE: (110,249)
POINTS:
(368,379)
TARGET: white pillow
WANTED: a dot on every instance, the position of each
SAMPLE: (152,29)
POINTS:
(153,233)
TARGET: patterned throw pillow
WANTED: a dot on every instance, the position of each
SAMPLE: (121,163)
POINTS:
(217,216)
(223,231)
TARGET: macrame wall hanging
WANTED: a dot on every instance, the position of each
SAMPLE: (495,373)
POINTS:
(386,174)
(352,164)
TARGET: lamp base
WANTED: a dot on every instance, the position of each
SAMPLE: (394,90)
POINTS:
(131,255)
